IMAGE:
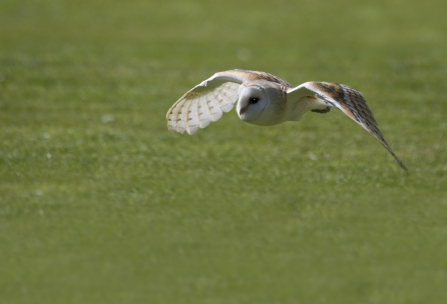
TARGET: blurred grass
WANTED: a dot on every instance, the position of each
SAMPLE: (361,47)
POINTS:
(99,203)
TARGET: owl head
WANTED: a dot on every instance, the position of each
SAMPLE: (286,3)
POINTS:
(258,105)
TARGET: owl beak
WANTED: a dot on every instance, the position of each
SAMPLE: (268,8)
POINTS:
(242,110)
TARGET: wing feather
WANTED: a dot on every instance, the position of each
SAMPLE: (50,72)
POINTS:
(205,115)
(185,115)
(193,119)
(350,101)
(215,110)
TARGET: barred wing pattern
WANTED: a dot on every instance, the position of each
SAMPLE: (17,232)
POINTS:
(351,103)
(203,104)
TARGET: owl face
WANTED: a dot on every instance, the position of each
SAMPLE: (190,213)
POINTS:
(252,103)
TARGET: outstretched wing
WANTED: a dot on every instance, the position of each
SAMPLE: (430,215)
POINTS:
(202,105)
(349,101)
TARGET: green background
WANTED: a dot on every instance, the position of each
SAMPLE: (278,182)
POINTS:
(99,203)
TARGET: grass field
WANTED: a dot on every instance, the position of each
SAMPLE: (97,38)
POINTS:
(99,203)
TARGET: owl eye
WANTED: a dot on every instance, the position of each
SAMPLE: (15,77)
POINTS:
(254,100)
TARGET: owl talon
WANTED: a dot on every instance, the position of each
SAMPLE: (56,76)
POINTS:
(322,111)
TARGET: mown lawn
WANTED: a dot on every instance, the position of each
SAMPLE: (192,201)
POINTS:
(99,203)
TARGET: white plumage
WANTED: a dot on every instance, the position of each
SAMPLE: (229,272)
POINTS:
(264,99)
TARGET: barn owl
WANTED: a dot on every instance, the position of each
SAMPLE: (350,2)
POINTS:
(264,99)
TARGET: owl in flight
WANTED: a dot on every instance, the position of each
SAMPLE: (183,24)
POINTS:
(264,99)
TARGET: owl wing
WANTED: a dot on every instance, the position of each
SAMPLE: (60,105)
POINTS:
(346,99)
(205,102)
